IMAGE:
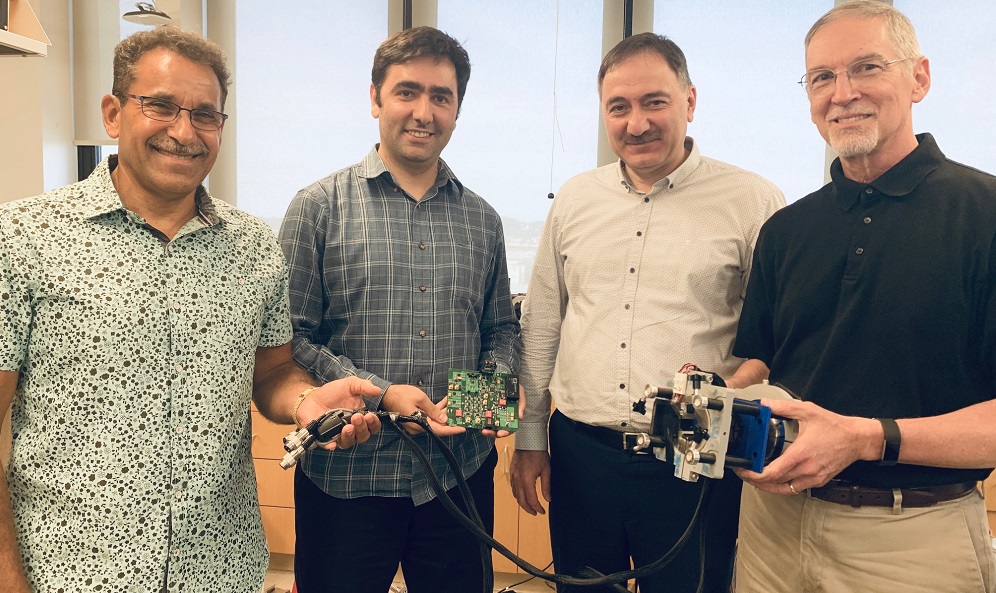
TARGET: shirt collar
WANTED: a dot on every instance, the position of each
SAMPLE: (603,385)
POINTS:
(372,166)
(900,180)
(676,177)
(99,196)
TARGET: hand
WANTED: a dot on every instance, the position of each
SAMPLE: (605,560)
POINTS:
(526,467)
(405,399)
(361,426)
(343,393)
(827,443)
(504,433)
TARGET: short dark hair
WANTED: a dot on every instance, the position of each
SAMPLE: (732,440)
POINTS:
(643,43)
(421,42)
(195,48)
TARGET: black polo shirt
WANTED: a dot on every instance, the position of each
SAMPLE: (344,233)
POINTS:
(877,299)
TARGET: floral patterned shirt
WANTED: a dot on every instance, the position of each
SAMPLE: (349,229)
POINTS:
(130,468)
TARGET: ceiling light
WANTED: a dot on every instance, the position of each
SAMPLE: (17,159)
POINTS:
(147,15)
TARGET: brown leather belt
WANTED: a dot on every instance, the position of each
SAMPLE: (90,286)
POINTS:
(841,492)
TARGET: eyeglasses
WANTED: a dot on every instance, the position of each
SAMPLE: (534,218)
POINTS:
(816,82)
(163,110)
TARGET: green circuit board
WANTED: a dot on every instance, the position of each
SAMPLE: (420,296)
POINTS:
(483,400)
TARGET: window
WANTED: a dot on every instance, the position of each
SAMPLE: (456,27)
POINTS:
(530,116)
(958,109)
(303,96)
(745,58)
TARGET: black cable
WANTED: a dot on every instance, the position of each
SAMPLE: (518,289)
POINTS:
(479,531)
(443,496)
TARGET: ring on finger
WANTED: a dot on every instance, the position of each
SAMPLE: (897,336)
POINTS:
(791,487)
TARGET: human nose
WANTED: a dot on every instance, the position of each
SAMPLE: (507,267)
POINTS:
(843,88)
(182,127)
(637,123)
(422,111)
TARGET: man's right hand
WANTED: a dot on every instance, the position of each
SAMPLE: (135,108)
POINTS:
(405,399)
(526,467)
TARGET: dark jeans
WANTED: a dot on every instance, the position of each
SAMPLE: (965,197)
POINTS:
(609,505)
(354,545)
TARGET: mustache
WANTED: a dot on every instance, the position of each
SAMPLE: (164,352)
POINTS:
(643,138)
(167,144)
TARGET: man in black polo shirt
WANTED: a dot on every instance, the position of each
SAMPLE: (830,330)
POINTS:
(873,300)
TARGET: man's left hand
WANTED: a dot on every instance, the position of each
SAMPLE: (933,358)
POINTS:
(827,443)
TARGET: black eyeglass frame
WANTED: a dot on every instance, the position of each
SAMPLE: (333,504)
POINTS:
(159,117)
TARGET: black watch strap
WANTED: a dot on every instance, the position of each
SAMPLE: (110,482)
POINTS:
(893,440)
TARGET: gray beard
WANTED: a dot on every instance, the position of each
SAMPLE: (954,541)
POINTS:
(852,144)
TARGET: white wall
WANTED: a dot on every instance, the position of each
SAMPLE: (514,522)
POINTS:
(36,152)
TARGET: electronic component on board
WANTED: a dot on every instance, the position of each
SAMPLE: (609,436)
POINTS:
(479,399)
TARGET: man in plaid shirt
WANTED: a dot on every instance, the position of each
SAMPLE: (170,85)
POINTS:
(397,274)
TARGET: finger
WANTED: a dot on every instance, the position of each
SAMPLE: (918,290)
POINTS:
(785,408)
(525,494)
(545,484)
(362,433)
(494,435)
(347,437)
(444,431)
(440,415)
(372,422)
(522,400)
(363,387)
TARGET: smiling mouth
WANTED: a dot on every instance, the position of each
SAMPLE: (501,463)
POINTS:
(419,133)
(178,151)
(848,119)
(188,156)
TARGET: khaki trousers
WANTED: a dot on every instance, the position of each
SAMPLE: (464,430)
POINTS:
(799,544)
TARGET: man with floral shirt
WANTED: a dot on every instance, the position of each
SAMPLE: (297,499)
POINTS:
(137,316)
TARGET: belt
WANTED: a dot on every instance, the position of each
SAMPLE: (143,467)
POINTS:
(842,492)
(613,439)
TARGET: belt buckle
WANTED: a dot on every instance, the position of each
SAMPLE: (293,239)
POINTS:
(897,501)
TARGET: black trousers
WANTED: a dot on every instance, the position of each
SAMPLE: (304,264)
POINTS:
(354,545)
(609,506)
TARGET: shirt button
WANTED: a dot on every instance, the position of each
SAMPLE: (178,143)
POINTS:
(646,199)
(179,430)
(626,306)
(868,220)
(421,246)
(622,386)
(859,250)
(632,270)
(639,233)
(178,367)
(421,334)
(869,191)
(176,306)
(422,288)
(623,345)
(419,382)
(176,553)
(178,495)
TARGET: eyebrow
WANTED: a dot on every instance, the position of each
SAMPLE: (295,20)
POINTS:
(418,86)
(854,61)
(654,95)
(172,99)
